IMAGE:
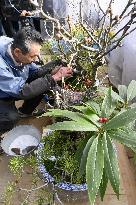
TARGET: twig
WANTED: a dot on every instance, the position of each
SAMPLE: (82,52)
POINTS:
(34,189)
(100,7)
(124,27)
(125,9)
(80,12)
(90,35)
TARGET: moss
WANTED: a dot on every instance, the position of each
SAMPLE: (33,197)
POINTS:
(59,156)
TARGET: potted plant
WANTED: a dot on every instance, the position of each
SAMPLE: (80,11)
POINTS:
(105,122)
(101,121)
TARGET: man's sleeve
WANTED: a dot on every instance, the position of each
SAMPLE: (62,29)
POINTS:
(18,88)
(37,72)
(9,84)
(37,87)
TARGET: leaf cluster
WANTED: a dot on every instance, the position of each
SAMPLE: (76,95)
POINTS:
(99,155)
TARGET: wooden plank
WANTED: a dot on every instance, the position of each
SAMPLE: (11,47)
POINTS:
(128,175)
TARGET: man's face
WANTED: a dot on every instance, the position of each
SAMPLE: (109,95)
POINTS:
(29,57)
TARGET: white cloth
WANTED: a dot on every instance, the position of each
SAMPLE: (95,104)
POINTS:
(122,66)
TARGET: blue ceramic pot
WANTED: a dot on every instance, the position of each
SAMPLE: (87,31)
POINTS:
(50,179)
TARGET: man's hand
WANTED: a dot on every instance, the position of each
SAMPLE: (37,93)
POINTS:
(55,70)
(26,13)
(62,72)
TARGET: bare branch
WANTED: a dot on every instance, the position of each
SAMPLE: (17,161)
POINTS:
(92,37)
(100,7)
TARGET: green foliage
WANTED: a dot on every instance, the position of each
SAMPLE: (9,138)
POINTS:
(8,193)
(122,119)
(94,168)
(62,163)
(131,91)
(111,163)
(103,185)
(85,155)
(106,105)
(80,122)
(111,119)
(16,165)
(123,92)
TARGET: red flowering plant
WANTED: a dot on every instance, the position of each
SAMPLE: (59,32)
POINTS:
(112,119)
(85,47)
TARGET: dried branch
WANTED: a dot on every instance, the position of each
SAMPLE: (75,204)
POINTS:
(126,26)
(100,7)
(33,189)
(125,9)
(90,35)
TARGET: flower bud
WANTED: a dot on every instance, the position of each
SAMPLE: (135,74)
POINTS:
(103,120)
(58,36)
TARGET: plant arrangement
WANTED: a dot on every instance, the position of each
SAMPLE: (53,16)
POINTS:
(90,154)
(105,122)
(85,46)
(63,164)
(100,121)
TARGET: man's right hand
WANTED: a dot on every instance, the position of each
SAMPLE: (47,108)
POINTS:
(26,13)
(62,72)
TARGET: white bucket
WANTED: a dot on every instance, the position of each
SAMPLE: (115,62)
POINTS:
(21,140)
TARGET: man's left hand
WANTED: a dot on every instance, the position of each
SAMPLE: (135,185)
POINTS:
(61,71)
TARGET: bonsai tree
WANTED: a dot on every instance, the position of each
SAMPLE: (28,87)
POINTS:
(107,121)
(85,45)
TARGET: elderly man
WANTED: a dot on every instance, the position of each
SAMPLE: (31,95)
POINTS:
(20,78)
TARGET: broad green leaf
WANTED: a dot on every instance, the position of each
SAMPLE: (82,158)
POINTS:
(93,105)
(131,91)
(94,168)
(73,126)
(89,114)
(107,104)
(125,136)
(111,163)
(123,92)
(81,147)
(64,113)
(95,119)
(114,95)
(85,155)
(121,119)
(76,116)
(103,184)
(83,109)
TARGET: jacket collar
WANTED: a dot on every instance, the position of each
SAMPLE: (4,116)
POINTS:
(11,56)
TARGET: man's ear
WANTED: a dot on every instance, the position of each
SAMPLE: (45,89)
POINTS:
(17,52)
